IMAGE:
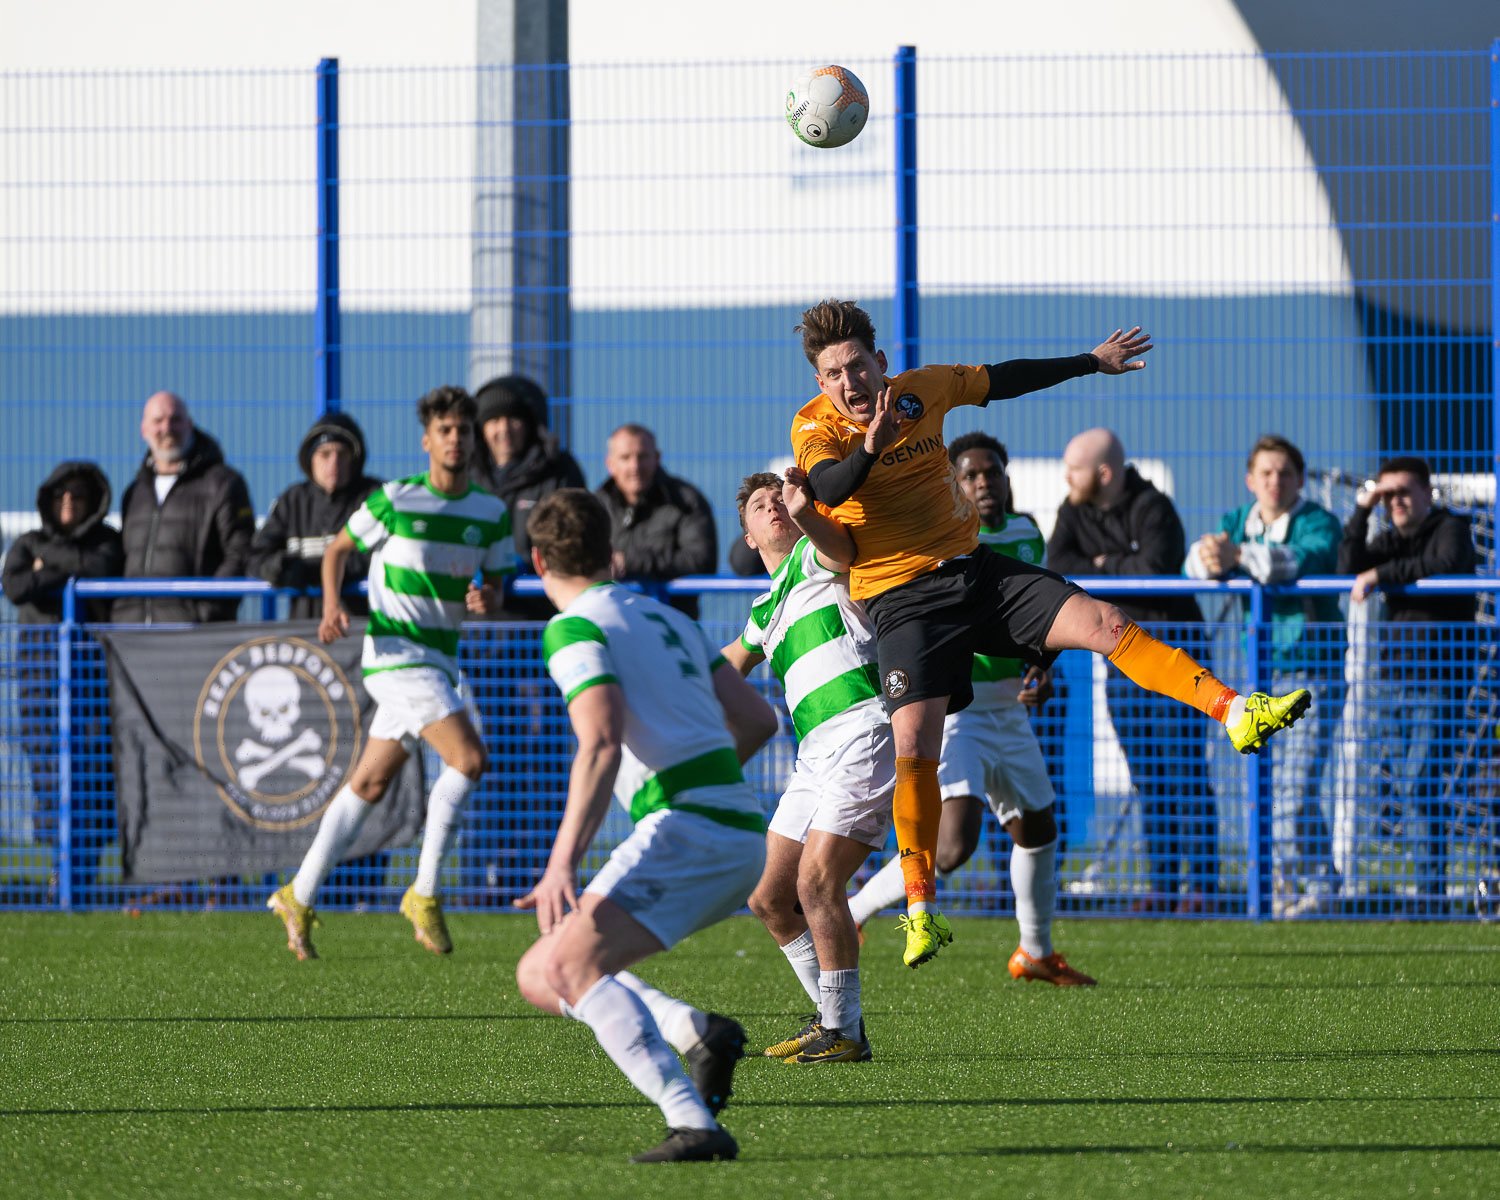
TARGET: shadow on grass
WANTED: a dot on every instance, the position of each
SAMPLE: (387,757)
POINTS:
(266,1020)
(740,1107)
(1159,1149)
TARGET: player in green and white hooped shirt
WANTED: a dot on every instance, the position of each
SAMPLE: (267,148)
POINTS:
(428,536)
(990,747)
(837,805)
(637,674)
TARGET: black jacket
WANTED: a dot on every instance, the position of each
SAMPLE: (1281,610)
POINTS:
(288,548)
(1442,544)
(90,550)
(523,484)
(202,530)
(669,533)
(1141,535)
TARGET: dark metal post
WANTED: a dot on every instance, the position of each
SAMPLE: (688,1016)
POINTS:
(907,340)
(329,335)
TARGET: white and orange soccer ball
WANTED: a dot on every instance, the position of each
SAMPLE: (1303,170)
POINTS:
(827,107)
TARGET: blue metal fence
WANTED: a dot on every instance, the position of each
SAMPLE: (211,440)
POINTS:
(1309,236)
(1382,803)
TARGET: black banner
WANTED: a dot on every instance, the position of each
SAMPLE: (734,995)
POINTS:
(231,740)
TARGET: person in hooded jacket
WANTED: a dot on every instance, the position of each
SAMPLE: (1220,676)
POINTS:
(73,543)
(1116,523)
(288,547)
(518,460)
(185,515)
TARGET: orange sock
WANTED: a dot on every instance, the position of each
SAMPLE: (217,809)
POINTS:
(918,811)
(1173,672)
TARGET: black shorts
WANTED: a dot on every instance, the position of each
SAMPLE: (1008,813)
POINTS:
(927,631)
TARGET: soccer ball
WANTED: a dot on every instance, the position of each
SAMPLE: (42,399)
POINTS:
(827,107)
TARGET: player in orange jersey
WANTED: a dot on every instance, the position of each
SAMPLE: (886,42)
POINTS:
(872,447)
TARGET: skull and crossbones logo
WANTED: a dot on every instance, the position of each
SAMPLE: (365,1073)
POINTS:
(273,703)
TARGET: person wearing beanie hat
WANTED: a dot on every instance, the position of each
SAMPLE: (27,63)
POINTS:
(288,549)
(519,461)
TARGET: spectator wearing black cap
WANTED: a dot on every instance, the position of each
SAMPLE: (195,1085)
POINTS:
(519,461)
(288,548)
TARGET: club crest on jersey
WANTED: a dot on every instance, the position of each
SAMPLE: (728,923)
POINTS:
(471,535)
(896,683)
(910,407)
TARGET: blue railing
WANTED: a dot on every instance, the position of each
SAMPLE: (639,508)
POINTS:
(1386,806)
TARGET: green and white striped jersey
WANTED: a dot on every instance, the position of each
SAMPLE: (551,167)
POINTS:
(997,681)
(821,646)
(426,547)
(682,752)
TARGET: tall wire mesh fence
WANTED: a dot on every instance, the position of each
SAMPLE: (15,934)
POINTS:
(1308,237)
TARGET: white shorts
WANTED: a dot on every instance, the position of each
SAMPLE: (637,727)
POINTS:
(994,753)
(846,790)
(679,872)
(409,699)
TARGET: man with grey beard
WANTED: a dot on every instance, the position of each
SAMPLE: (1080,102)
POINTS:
(186,514)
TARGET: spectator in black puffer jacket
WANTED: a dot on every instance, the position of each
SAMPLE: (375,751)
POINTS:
(662,527)
(73,542)
(1426,650)
(1114,522)
(288,547)
(185,515)
(519,461)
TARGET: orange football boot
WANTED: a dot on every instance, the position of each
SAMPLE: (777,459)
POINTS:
(1052,969)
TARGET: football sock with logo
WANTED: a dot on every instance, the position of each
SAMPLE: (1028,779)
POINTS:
(884,889)
(803,956)
(839,1007)
(917,812)
(336,833)
(628,1034)
(444,808)
(1170,671)
(680,1023)
(1033,877)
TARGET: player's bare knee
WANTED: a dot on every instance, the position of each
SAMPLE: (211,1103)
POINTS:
(467,759)
(953,854)
(1036,829)
(1112,623)
(369,786)
(818,884)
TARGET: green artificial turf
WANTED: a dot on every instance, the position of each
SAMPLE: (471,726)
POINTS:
(191,1055)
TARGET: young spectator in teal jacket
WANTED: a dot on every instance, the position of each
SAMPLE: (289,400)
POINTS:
(1278,537)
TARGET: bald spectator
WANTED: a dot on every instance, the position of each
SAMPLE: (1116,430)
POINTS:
(185,515)
(1116,523)
(662,527)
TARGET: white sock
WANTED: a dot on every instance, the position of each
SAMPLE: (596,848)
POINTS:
(680,1023)
(626,1032)
(444,806)
(336,833)
(803,956)
(1033,877)
(1235,712)
(884,889)
(839,1008)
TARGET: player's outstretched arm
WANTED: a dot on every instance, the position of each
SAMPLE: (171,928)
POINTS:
(750,719)
(1116,352)
(335,622)
(742,660)
(598,718)
(830,539)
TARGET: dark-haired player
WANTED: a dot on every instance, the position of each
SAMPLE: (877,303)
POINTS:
(428,536)
(873,449)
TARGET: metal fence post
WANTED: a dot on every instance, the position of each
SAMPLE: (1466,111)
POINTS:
(907,340)
(65,746)
(328,335)
(1495,273)
(1257,781)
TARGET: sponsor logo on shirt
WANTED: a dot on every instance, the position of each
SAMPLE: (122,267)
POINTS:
(915,449)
